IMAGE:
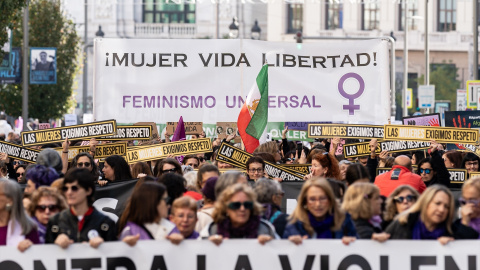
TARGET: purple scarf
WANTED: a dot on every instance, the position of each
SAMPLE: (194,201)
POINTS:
(475,224)
(322,227)
(42,230)
(248,230)
(420,231)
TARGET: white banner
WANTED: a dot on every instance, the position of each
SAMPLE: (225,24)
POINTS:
(207,80)
(248,254)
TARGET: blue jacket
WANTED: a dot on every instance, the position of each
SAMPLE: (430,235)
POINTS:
(348,229)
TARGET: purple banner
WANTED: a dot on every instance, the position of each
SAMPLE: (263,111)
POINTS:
(302,126)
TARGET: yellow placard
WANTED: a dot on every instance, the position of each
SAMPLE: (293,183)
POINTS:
(344,131)
(426,133)
(16,151)
(363,149)
(128,133)
(101,150)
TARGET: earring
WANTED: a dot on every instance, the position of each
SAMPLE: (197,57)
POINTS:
(8,207)
(305,206)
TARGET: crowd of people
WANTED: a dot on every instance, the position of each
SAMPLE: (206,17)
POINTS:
(204,198)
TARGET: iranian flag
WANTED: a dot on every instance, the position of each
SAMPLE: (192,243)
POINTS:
(253,118)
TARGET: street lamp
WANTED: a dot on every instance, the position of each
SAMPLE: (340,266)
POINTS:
(256,31)
(100,33)
(233,28)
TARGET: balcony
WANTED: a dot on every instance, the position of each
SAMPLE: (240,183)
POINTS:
(161,30)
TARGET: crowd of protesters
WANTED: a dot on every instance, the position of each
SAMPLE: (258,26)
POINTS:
(205,198)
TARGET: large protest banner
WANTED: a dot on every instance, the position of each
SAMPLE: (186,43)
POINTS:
(425,133)
(84,131)
(208,80)
(248,254)
(344,131)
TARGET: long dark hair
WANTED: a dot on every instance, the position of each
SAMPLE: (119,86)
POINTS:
(158,169)
(94,171)
(120,167)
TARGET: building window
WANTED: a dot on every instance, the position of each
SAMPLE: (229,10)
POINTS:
(370,15)
(412,10)
(167,11)
(295,18)
(334,18)
(447,15)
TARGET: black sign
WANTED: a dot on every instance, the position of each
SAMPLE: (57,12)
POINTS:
(16,151)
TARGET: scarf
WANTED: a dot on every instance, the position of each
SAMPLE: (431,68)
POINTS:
(475,224)
(322,227)
(42,230)
(247,230)
(376,222)
(420,231)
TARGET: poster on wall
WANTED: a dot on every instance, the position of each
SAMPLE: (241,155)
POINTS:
(43,62)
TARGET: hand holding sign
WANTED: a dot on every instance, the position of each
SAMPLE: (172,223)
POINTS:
(383,158)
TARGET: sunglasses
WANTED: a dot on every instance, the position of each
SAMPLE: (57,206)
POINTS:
(201,159)
(83,164)
(73,188)
(237,205)
(427,171)
(290,159)
(17,162)
(462,201)
(169,170)
(51,208)
(401,199)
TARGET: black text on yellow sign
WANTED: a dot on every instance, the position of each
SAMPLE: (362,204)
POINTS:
(157,151)
(15,151)
(426,133)
(344,131)
(234,155)
(363,149)
(302,168)
(127,133)
(84,131)
(101,150)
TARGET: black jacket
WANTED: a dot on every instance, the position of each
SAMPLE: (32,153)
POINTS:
(442,175)
(365,229)
(404,231)
(67,223)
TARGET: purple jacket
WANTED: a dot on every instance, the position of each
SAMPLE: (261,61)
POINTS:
(134,229)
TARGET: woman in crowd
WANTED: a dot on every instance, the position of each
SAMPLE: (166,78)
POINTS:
(184,216)
(269,147)
(20,171)
(145,216)
(470,204)
(85,160)
(16,228)
(270,195)
(357,173)
(204,215)
(255,168)
(46,202)
(175,184)
(167,165)
(204,173)
(363,202)
(229,179)
(417,156)
(141,169)
(39,176)
(452,159)
(433,170)
(400,200)
(470,162)
(343,166)
(116,168)
(81,222)
(318,215)
(324,165)
(237,215)
(430,218)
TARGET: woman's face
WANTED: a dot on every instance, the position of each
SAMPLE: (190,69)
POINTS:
(343,170)
(376,204)
(20,172)
(185,219)
(471,166)
(407,200)
(290,159)
(30,187)
(255,170)
(108,172)
(239,209)
(448,163)
(222,165)
(167,167)
(472,196)
(46,207)
(207,175)
(437,209)
(318,169)
(84,162)
(426,172)
(162,207)
(318,203)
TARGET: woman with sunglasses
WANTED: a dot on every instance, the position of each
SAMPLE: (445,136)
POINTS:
(46,202)
(431,218)
(86,161)
(20,171)
(400,200)
(432,170)
(167,165)
(324,165)
(470,204)
(81,222)
(319,216)
(145,216)
(237,216)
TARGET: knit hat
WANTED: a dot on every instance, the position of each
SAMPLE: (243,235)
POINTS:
(208,189)
(50,158)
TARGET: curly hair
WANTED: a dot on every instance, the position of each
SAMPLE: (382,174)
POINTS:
(95,172)
(330,162)
(46,192)
(220,212)
(391,207)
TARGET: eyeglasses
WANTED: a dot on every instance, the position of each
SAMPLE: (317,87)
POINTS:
(169,170)
(401,199)
(50,207)
(82,164)
(167,200)
(201,159)
(259,170)
(471,163)
(17,162)
(463,201)
(73,188)
(248,205)
(427,171)
(317,199)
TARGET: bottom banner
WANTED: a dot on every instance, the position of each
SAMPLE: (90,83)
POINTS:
(248,255)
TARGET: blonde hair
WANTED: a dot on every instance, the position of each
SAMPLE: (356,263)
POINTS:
(472,182)
(46,192)
(357,200)
(391,207)
(300,213)
(184,202)
(221,205)
(423,202)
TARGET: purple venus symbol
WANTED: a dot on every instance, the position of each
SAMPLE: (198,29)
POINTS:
(351,107)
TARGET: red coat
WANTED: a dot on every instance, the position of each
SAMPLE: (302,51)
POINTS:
(406,177)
